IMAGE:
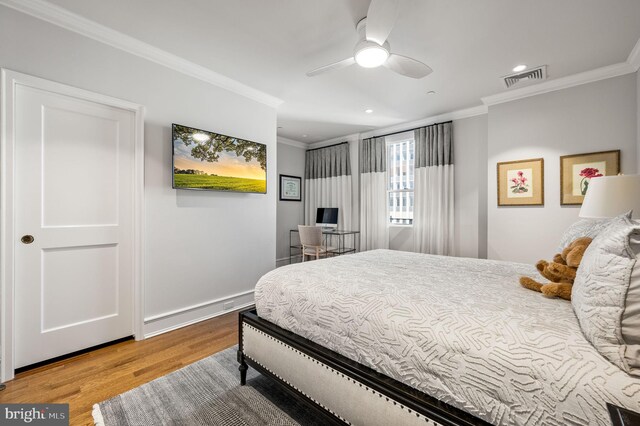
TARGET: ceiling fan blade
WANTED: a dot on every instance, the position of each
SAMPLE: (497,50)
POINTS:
(335,66)
(381,17)
(407,66)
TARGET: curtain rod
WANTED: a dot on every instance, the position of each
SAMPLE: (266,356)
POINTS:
(328,146)
(408,130)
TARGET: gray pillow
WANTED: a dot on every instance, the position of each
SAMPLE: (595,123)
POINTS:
(582,228)
(606,294)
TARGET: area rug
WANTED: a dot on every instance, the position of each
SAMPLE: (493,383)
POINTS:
(207,392)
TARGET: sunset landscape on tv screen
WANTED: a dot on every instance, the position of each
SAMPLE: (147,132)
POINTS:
(210,161)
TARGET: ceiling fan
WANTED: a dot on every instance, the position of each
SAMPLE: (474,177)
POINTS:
(372,50)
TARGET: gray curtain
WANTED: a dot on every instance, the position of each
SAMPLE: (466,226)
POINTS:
(434,145)
(328,183)
(373,155)
(328,162)
(433,216)
(374,229)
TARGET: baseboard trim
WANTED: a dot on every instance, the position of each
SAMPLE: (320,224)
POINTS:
(195,321)
(287,260)
(196,306)
(295,256)
(169,321)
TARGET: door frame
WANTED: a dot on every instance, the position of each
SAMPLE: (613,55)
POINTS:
(9,80)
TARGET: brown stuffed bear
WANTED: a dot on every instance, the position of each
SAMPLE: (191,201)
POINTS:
(561,272)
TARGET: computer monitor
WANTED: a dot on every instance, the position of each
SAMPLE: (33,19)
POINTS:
(327,217)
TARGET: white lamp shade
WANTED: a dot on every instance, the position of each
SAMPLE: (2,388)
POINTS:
(610,196)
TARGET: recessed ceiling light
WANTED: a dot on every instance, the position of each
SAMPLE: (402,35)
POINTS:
(431,92)
(304,136)
(368,110)
(519,68)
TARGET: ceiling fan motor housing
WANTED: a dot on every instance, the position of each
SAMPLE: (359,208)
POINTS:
(369,54)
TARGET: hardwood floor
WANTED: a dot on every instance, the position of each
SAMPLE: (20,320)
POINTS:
(103,373)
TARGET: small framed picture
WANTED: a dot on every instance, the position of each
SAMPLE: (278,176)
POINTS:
(290,188)
(576,171)
(521,183)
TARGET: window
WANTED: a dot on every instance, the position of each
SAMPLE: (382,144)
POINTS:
(400,165)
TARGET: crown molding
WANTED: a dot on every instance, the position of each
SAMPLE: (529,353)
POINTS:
(407,126)
(353,137)
(293,143)
(560,83)
(634,57)
(70,21)
(449,116)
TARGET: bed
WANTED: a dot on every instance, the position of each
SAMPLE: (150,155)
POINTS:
(388,337)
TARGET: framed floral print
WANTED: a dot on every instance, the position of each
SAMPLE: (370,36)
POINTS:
(576,171)
(521,183)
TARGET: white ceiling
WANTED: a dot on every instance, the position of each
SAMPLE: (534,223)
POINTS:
(470,44)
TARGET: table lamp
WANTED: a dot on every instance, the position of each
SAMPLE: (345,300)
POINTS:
(610,196)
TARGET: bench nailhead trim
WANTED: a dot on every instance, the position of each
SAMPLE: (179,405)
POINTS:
(349,379)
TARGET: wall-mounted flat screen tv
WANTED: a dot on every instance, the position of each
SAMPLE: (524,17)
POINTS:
(211,161)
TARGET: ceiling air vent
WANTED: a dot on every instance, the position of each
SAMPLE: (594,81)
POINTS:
(526,77)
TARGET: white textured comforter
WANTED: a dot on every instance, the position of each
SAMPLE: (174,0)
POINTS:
(461,330)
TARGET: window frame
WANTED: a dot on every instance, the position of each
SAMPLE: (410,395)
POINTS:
(392,140)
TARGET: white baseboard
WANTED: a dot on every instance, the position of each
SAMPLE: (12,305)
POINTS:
(159,324)
(282,261)
(286,260)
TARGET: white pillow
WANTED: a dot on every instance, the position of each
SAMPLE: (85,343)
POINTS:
(606,294)
(582,228)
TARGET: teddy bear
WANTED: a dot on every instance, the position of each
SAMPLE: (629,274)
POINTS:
(561,271)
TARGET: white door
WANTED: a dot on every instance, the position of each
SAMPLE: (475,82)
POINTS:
(74,218)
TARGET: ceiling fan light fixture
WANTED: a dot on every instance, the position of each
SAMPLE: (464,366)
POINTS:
(373,50)
(369,54)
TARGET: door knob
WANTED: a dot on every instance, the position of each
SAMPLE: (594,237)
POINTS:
(27,239)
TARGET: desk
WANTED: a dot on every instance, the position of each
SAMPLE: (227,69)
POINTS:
(342,235)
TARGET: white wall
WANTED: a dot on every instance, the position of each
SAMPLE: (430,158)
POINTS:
(594,117)
(200,246)
(470,159)
(638,120)
(290,214)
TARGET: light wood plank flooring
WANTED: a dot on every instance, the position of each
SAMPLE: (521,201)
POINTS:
(101,374)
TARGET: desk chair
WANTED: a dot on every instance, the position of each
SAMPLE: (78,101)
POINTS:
(312,242)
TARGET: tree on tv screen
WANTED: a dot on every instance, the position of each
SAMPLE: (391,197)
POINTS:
(209,150)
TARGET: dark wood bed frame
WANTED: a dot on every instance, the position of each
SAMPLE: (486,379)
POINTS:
(411,398)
